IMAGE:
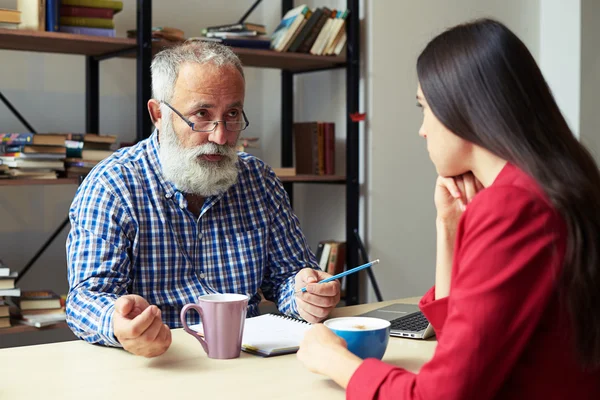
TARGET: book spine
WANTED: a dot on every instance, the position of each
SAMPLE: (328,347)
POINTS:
(250,44)
(88,22)
(227,28)
(113,5)
(89,12)
(16,139)
(52,15)
(82,30)
(321,149)
(312,36)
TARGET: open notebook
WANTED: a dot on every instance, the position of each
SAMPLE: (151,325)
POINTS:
(270,334)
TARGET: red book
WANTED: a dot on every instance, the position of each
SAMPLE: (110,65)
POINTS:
(71,11)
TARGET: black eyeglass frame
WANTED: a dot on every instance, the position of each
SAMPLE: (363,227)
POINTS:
(216,123)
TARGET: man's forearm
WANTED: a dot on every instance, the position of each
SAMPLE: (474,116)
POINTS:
(89,316)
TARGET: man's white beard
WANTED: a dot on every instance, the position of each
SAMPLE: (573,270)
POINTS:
(191,174)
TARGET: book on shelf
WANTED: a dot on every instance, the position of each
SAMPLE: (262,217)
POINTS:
(314,147)
(87,22)
(37,300)
(311,36)
(303,32)
(42,320)
(287,26)
(88,12)
(238,27)
(10,16)
(33,14)
(5,322)
(16,138)
(8,282)
(16,292)
(52,11)
(116,6)
(82,30)
(331,256)
(4,310)
(284,171)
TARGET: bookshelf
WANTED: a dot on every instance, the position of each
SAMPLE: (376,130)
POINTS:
(351,65)
(29,182)
(26,328)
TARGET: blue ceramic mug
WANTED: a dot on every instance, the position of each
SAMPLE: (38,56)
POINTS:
(366,337)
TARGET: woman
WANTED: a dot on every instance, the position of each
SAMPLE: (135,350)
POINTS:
(516,301)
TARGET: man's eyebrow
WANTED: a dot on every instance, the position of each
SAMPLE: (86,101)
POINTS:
(202,105)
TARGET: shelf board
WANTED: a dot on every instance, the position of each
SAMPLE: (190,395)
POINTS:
(18,328)
(314,179)
(288,61)
(65,43)
(27,182)
(68,43)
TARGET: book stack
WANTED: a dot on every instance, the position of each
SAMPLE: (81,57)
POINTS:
(84,151)
(19,162)
(314,148)
(242,34)
(320,31)
(88,17)
(43,155)
(37,308)
(7,291)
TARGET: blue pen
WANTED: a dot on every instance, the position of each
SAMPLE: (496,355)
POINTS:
(350,271)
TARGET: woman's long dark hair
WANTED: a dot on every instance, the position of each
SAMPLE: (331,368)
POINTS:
(482,83)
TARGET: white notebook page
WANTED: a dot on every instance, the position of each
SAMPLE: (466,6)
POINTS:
(270,334)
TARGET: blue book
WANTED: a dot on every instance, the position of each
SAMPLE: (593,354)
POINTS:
(52,15)
(81,30)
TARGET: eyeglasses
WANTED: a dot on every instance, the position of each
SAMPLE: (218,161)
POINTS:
(210,126)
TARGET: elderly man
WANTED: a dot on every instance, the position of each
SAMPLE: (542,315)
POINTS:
(181,214)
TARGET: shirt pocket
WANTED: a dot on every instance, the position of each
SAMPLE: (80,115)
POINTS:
(246,259)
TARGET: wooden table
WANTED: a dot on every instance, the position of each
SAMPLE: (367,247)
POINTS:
(78,370)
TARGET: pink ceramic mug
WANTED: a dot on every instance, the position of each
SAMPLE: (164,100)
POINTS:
(222,317)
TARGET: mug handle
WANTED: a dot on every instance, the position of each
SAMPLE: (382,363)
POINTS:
(186,328)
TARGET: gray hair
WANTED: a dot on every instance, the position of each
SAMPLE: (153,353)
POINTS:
(165,65)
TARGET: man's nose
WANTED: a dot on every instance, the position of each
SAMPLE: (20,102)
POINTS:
(219,135)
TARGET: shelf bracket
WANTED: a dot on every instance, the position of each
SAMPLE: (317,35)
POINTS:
(16,113)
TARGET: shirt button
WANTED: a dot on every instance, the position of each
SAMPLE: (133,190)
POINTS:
(200,235)
(168,195)
(202,275)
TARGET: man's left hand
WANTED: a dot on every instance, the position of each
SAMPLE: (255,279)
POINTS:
(320,298)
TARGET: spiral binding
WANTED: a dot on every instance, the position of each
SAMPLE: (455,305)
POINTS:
(283,316)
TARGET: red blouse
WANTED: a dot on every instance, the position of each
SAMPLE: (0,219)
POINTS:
(501,332)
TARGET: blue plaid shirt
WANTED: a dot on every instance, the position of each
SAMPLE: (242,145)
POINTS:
(131,233)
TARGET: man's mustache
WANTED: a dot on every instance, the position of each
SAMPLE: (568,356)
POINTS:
(222,150)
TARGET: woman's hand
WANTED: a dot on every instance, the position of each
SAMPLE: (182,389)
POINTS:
(452,194)
(451,198)
(325,353)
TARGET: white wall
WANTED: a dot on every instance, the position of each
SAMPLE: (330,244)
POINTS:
(399,190)
(590,76)
(560,54)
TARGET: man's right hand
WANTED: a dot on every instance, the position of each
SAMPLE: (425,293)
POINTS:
(139,328)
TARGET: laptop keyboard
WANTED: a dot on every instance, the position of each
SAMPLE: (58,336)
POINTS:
(414,322)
